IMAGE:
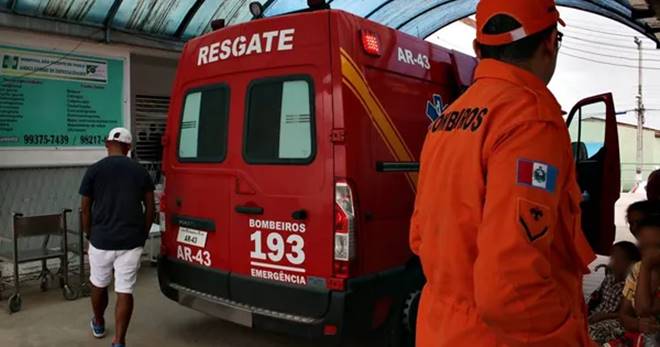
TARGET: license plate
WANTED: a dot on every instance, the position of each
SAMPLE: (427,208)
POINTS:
(192,237)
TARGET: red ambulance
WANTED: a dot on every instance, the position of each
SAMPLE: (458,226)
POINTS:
(290,159)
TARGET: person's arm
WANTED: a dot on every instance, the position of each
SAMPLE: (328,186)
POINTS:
(148,211)
(86,191)
(601,316)
(628,317)
(148,200)
(515,292)
(643,298)
(627,313)
(86,215)
(417,220)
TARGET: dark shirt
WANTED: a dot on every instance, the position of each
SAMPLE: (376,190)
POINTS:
(117,186)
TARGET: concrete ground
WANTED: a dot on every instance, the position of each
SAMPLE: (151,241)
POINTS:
(48,320)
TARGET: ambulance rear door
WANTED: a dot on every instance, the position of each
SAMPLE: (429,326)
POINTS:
(199,179)
(282,202)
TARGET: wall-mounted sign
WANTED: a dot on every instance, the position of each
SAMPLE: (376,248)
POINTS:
(58,100)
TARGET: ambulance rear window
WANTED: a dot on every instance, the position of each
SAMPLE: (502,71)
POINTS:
(203,133)
(280,122)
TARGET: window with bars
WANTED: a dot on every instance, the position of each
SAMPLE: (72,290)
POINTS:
(150,120)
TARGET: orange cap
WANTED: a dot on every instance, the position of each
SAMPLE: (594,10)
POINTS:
(533,15)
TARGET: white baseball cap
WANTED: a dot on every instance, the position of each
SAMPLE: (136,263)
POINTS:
(120,135)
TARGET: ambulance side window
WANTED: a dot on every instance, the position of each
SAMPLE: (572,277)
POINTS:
(279,126)
(203,132)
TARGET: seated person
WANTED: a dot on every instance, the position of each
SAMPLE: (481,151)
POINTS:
(604,324)
(639,308)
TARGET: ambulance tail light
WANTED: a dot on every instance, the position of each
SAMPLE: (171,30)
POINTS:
(371,43)
(344,252)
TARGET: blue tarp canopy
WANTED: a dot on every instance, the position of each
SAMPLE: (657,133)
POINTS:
(179,20)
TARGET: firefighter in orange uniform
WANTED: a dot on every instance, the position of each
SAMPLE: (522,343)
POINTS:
(497,214)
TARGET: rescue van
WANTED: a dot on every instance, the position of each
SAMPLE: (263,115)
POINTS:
(290,159)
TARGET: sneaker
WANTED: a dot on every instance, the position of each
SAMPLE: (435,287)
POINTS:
(98,330)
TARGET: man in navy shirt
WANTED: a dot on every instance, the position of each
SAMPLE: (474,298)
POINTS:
(117,213)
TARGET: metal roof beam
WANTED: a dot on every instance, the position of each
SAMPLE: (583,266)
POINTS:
(188,18)
(109,18)
(267,4)
(383,4)
(12,5)
(409,20)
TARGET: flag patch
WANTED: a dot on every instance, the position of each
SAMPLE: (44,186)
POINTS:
(537,174)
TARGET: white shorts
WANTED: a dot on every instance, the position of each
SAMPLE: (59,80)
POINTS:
(125,264)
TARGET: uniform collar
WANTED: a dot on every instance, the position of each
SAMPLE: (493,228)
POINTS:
(491,68)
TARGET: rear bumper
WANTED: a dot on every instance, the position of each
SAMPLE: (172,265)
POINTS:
(298,311)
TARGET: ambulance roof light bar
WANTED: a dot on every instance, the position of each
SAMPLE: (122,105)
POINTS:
(257,10)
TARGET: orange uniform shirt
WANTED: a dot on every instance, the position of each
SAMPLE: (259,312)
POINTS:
(497,220)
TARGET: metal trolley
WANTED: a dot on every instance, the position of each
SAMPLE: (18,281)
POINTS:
(39,227)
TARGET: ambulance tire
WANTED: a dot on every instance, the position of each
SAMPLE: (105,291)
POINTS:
(403,317)
(398,333)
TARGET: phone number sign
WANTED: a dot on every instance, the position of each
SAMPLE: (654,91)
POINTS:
(58,100)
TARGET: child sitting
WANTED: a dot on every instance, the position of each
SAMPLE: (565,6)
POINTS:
(604,323)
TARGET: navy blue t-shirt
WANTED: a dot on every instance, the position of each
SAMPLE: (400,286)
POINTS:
(117,186)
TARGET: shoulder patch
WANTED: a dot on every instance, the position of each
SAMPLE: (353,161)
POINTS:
(536,174)
(534,219)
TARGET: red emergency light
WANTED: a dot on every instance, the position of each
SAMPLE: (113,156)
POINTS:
(371,43)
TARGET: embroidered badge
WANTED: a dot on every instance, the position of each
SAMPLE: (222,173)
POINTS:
(537,174)
(534,219)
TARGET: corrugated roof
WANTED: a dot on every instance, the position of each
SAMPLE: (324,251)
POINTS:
(179,20)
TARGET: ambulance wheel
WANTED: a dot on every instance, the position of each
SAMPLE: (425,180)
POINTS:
(401,327)
(410,311)
(15,303)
